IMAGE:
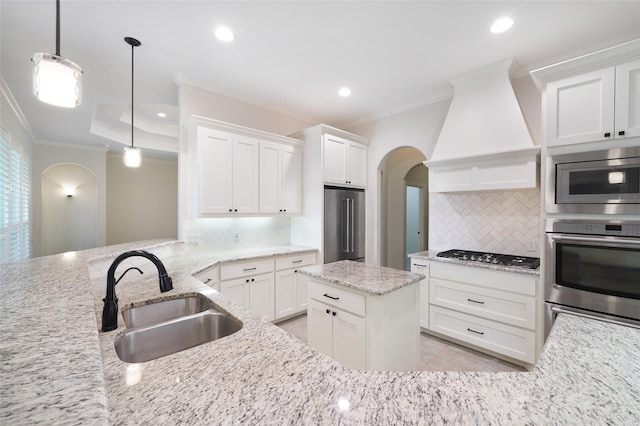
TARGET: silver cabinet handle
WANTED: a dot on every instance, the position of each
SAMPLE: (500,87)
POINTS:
(633,242)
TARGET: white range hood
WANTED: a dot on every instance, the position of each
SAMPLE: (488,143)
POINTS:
(485,143)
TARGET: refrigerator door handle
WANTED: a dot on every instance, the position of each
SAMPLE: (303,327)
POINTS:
(345,223)
(352,218)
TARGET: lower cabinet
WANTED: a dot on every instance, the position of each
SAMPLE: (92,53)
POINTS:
(209,277)
(254,293)
(492,310)
(422,267)
(291,287)
(365,331)
(337,333)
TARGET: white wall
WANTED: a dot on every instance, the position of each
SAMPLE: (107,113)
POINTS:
(418,128)
(69,223)
(47,154)
(142,203)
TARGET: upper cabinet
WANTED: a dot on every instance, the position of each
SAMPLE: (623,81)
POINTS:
(345,161)
(599,105)
(280,178)
(593,101)
(234,170)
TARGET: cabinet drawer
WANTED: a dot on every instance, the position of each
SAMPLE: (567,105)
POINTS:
(337,297)
(501,338)
(209,276)
(297,261)
(512,309)
(243,269)
(499,280)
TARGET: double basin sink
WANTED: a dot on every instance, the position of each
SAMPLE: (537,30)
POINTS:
(162,328)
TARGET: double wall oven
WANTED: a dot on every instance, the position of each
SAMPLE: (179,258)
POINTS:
(592,249)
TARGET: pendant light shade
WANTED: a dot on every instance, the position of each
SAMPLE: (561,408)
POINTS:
(57,80)
(132,155)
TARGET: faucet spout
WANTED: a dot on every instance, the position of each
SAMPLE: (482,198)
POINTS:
(110,309)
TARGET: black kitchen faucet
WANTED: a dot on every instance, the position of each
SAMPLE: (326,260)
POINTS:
(110,310)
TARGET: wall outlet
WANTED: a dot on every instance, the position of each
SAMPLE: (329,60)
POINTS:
(439,238)
(532,246)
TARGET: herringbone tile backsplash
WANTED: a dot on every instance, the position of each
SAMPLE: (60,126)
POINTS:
(492,221)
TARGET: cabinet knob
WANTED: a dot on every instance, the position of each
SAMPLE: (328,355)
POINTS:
(328,311)
(335,313)
(285,210)
(230,210)
(280,210)
(235,210)
(247,279)
(607,135)
(621,133)
(253,279)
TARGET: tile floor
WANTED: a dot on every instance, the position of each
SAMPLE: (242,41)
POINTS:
(435,354)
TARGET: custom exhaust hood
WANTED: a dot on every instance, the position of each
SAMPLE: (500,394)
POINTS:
(485,143)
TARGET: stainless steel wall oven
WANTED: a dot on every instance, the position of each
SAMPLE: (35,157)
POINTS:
(598,182)
(593,268)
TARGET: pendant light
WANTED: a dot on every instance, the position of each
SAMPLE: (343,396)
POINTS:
(57,80)
(132,155)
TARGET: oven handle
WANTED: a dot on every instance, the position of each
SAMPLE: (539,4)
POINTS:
(556,310)
(595,240)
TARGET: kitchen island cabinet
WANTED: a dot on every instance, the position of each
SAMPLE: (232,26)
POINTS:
(261,374)
(365,317)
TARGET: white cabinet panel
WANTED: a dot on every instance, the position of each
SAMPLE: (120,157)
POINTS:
(628,100)
(349,339)
(285,292)
(421,267)
(236,290)
(291,199)
(215,150)
(280,178)
(320,327)
(245,175)
(345,162)
(261,296)
(270,178)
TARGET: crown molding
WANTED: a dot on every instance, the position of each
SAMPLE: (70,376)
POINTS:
(6,93)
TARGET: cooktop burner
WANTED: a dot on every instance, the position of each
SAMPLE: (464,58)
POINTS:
(491,258)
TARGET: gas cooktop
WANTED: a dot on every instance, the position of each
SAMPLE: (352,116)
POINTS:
(491,258)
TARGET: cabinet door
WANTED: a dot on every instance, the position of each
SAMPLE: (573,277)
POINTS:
(285,290)
(419,267)
(270,177)
(245,174)
(320,327)
(335,157)
(291,194)
(628,100)
(215,171)
(356,164)
(302,295)
(236,290)
(261,296)
(580,108)
(349,339)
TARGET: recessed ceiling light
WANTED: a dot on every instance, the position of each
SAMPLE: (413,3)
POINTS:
(224,34)
(162,115)
(344,92)
(501,25)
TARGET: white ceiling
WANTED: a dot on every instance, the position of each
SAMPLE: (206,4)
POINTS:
(291,55)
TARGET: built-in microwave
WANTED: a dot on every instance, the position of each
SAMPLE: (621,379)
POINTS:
(598,182)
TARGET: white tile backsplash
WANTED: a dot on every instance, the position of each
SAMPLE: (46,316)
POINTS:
(237,233)
(493,221)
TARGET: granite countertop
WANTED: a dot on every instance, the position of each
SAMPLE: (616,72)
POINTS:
(370,279)
(432,256)
(64,371)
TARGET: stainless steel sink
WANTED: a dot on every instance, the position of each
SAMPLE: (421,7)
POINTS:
(198,322)
(165,310)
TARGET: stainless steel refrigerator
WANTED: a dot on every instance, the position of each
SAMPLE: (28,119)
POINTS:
(343,224)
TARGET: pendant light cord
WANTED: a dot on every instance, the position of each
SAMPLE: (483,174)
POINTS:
(57,27)
(132,47)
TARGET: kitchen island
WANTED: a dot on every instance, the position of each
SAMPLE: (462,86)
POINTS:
(58,368)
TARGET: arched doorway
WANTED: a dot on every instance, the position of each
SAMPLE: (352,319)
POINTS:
(402,168)
(69,209)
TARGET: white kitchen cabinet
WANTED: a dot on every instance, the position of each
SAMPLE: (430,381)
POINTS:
(254,293)
(422,267)
(362,330)
(251,284)
(224,176)
(280,178)
(345,162)
(489,309)
(209,277)
(595,106)
(290,287)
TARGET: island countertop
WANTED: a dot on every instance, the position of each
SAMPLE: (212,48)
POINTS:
(370,279)
(58,368)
